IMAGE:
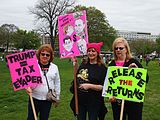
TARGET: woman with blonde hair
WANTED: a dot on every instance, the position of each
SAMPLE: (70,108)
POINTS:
(124,58)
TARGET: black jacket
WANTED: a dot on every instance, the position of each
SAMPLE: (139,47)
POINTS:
(127,63)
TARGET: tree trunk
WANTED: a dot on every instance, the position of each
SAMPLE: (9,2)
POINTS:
(51,37)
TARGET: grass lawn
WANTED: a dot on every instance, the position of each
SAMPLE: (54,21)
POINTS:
(13,105)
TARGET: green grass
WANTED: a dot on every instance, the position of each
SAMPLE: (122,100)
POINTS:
(13,105)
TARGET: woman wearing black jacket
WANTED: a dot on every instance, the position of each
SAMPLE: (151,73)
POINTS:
(123,58)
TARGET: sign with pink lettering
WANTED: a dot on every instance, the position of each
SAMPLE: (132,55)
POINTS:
(24,69)
(73,34)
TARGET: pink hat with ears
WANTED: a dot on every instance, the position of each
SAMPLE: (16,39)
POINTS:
(96,46)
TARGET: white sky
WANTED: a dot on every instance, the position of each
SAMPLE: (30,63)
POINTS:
(132,15)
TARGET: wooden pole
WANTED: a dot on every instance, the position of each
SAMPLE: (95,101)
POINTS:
(33,108)
(122,109)
(75,87)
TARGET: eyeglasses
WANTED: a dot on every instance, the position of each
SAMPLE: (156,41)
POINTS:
(120,48)
(44,54)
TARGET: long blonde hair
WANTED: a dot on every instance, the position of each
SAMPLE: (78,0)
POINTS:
(124,41)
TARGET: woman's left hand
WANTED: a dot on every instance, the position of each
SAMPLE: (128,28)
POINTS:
(133,65)
(85,86)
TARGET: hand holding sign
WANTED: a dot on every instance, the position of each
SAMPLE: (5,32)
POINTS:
(133,65)
(124,83)
(29,90)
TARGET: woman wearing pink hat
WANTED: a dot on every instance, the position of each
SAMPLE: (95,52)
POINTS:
(90,79)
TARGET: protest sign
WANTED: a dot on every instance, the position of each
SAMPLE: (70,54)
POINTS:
(124,83)
(73,35)
(24,69)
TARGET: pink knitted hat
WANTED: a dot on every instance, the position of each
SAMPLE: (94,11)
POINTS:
(96,46)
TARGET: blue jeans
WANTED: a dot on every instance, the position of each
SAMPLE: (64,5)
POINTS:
(41,106)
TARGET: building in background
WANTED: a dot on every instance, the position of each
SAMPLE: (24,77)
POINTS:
(45,39)
(132,35)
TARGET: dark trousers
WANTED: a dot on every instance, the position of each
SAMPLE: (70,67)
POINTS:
(101,114)
(91,109)
(41,106)
(132,110)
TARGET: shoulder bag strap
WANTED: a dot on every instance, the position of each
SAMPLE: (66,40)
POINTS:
(46,79)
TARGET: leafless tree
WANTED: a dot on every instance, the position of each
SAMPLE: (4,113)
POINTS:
(47,12)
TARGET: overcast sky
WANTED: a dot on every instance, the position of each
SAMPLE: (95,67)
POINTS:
(131,15)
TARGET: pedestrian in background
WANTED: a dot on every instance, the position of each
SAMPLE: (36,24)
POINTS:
(141,58)
(147,60)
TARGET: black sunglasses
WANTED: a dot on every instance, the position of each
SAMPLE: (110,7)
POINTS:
(120,48)
(44,54)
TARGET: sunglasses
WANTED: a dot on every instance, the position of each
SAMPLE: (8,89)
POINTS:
(120,48)
(44,54)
